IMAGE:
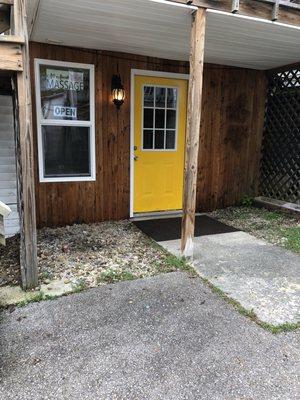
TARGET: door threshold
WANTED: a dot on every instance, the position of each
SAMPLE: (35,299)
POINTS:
(156,215)
(159,215)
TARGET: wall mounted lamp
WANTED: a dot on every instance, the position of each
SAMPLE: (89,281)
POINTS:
(117,91)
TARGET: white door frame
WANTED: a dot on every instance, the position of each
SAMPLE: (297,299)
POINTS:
(134,73)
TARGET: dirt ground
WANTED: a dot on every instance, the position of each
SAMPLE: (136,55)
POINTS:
(279,228)
(89,255)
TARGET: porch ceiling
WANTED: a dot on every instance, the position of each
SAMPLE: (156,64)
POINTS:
(162,30)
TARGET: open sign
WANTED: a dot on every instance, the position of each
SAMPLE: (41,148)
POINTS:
(69,112)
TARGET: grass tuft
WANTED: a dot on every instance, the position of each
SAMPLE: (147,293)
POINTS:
(79,286)
(271,215)
(32,299)
(173,263)
(291,238)
(111,276)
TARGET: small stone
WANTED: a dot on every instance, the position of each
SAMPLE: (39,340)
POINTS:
(64,248)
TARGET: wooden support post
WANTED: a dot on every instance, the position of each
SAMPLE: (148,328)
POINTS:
(275,10)
(235,6)
(24,148)
(193,130)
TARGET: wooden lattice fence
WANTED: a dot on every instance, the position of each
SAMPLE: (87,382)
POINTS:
(280,165)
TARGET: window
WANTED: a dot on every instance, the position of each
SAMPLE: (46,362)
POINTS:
(65,120)
(159,118)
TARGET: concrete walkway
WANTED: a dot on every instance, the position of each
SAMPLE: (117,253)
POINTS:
(162,338)
(260,276)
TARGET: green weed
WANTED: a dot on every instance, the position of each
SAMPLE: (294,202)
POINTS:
(79,286)
(173,263)
(271,215)
(247,201)
(111,276)
(291,238)
(32,299)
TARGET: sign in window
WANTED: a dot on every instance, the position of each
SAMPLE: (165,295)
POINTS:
(65,114)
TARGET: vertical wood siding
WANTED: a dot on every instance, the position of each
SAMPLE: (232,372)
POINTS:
(230,140)
(231,135)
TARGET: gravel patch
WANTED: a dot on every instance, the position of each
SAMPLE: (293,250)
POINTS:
(275,227)
(89,255)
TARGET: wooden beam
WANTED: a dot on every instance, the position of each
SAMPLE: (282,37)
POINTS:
(289,13)
(33,13)
(11,39)
(275,11)
(11,57)
(193,130)
(7,2)
(235,6)
(25,167)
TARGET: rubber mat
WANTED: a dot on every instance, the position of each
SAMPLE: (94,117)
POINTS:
(170,228)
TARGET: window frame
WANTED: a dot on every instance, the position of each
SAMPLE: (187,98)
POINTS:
(59,122)
(161,108)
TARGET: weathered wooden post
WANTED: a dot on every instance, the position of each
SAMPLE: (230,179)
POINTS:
(193,130)
(24,148)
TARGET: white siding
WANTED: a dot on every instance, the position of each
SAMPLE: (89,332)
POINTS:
(8,178)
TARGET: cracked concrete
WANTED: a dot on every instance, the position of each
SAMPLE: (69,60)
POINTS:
(260,276)
(162,338)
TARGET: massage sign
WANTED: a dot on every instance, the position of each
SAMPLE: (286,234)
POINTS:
(62,81)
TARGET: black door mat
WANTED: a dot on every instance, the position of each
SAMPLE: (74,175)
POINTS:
(170,228)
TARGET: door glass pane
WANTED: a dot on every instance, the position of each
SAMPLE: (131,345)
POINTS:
(148,96)
(66,151)
(160,97)
(170,140)
(159,118)
(65,93)
(148,118)
(159,139)
(171,119)
(159,113)
(148,139)
(172,98)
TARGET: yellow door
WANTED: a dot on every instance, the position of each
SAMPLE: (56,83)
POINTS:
(159,139)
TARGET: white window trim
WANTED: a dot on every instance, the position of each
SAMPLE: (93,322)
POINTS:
(41,121)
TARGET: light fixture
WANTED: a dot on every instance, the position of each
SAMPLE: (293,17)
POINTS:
(117,91)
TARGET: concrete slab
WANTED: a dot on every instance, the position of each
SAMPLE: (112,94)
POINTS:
(261,277)
(162,338)
(10,295)
(57,288)
(13,295)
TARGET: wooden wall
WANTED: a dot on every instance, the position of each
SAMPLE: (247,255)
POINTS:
(233,106)
(231,136)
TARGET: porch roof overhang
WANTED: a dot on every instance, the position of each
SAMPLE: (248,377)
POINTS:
(162,29)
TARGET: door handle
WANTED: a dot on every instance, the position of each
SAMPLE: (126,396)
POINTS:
(135,158)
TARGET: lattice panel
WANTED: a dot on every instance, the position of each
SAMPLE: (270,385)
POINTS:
(280,165)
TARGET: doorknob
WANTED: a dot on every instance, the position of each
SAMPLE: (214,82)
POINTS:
(135,158)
